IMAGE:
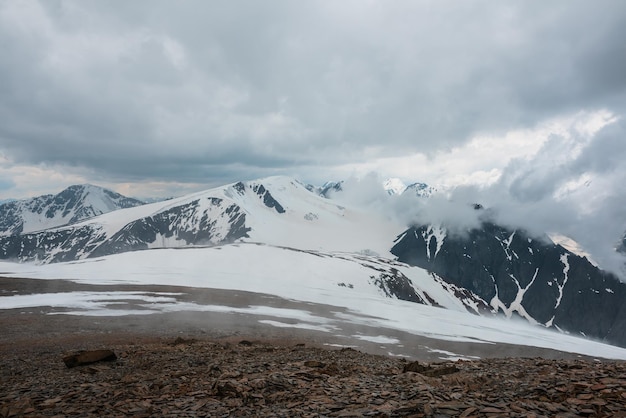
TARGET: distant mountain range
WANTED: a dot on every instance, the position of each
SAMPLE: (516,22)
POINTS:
(74,204)
(489,270)
(326,189)
(393,187)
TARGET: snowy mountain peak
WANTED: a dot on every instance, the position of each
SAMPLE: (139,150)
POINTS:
(263,193)
(420,189)
(89,200)
(74,204)
(327,189)
(394,186)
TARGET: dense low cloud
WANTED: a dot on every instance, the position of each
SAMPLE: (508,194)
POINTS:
(206,92)
(572,186)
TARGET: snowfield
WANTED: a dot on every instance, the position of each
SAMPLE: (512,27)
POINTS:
(338,279)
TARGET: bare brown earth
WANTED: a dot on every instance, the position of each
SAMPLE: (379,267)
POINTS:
(204,364)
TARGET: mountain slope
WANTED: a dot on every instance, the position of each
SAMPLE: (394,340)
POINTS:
(271,269)
(74,204)
(538,280)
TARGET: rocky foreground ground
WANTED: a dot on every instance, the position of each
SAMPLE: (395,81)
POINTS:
(239,377)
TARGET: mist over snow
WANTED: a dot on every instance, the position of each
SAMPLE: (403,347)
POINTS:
(571,186)
(365,192)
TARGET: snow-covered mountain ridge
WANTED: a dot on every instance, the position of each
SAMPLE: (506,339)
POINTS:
(74,204)
(276,211)
(491,270)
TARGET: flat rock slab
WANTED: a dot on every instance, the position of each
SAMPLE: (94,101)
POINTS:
(88,357)
(429,371)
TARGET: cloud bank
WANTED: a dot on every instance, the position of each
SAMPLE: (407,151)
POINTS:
(569,187)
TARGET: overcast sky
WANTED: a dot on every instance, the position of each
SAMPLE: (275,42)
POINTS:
(525,99)
(160,97)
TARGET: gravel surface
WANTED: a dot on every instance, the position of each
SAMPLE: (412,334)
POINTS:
(190,377)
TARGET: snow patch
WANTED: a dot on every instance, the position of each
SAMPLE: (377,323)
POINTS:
(506,246)
(516,305)
(450,356)
(571,246)
(379,339)
(560,286)
(311,327)
(437,232)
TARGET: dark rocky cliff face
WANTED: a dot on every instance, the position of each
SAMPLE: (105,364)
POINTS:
(518,275)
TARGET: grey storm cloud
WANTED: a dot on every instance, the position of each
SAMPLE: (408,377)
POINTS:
(196,90)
